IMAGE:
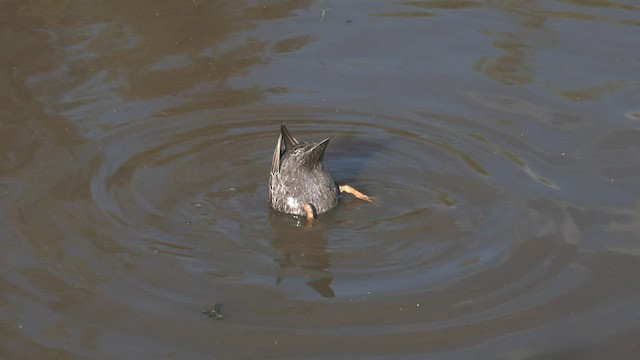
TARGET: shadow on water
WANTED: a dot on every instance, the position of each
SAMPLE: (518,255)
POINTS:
(303,252)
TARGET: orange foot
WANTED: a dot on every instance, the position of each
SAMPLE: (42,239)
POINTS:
(348,189)
(311,212)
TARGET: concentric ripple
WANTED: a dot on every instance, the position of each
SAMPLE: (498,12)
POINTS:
(196,189)
(470,234)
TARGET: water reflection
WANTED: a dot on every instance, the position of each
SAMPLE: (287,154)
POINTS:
(518,45)
(303,254)
(169,59)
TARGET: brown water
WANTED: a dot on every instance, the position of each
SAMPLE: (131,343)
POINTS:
(501,137)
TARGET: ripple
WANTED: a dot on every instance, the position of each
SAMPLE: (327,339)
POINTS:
(196,189)
(468,233)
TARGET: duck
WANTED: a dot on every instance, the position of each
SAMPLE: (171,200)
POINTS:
(299,182)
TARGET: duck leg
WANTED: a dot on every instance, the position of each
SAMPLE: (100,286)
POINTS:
(348,189)
(311,212)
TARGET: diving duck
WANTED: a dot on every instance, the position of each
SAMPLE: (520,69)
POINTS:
(299,183)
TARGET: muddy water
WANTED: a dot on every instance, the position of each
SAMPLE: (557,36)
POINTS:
(501,139)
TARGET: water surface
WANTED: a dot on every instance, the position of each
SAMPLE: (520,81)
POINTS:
(501,139)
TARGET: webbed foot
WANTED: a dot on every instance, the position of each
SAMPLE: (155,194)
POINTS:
(350,190)
(310,210)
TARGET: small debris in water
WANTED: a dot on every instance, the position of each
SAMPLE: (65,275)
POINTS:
(633,115)
(214,312)
(324,12)
(197,205)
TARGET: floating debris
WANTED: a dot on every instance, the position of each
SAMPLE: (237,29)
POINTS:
(214,312)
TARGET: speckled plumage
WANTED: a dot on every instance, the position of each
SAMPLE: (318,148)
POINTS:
(299,177)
